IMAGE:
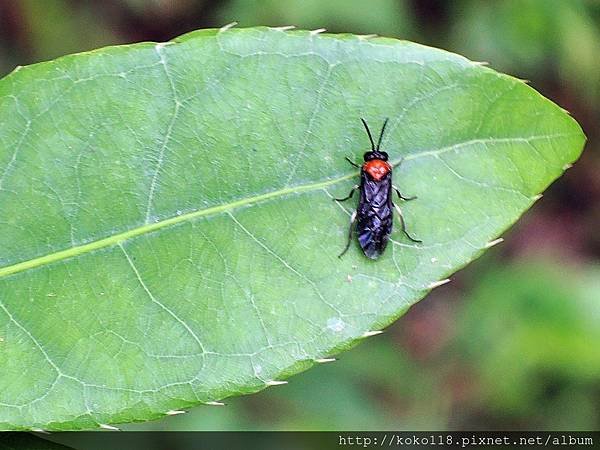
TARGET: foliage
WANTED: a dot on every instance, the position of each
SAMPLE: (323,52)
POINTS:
(169,236)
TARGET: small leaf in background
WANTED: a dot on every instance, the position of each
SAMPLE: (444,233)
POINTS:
(522,36)
(168,232)
(536,324)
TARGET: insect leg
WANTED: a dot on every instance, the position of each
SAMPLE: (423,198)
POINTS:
(352,220)
(349,195)
(352,162)
(401,196)
(403,225)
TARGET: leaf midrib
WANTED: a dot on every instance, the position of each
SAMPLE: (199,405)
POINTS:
(115,239)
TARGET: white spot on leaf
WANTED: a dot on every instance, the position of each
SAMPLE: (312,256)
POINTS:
(336,324)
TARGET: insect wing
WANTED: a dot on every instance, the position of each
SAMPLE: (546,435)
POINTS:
(374,214)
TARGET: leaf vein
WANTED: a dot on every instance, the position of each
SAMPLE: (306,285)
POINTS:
(160,304)
(115,239)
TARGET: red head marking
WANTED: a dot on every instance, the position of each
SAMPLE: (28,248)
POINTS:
(377,169)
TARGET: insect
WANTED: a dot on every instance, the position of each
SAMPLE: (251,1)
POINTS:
(375,213)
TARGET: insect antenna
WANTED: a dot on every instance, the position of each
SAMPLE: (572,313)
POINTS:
(381,134)
(369,133)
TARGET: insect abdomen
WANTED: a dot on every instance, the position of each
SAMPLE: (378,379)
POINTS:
(374,226)
(374,215)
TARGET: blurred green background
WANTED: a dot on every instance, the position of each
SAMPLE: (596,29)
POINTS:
(514,341)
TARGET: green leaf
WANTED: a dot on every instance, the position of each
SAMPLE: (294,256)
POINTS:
(167,230)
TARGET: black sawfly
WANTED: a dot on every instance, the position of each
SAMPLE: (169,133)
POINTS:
(374,216)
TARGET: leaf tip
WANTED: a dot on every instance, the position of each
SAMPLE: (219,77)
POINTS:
(522,80)
(175,412)
(214,403)
(105,426)
(566,111)
(325,360)
(275,383)
(284,28)
(364,37)
(227,27)
(160,45)
(367,334)
(438,283)
(494,242)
